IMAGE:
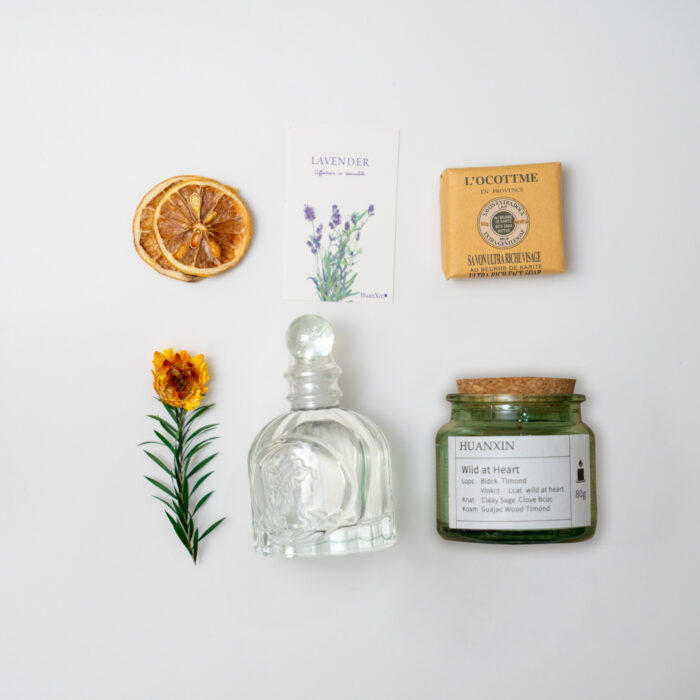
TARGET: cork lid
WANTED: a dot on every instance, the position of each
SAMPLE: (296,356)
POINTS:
(535,386)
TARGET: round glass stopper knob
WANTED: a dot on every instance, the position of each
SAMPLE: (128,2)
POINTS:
(310,336)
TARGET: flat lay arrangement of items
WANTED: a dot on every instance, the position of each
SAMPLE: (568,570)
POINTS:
(514,465)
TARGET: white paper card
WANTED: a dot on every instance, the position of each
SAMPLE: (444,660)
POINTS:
(340,214)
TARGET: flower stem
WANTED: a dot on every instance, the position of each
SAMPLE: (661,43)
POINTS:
(182,486)
(185,472)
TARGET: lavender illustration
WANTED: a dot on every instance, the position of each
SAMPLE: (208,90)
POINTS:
(335,260)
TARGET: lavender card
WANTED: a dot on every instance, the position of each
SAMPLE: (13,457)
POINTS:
(340,214)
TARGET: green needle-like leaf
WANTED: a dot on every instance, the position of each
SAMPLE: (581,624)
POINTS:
(166,426)
(202,501)
(199,431)
(178,529)
(196,486)
(167,503)
(199,446)
(172,411)
(160,463)
(201,465)
(186,494)
(166,442)
(162,487)
(211,528)
(197,412)
(180,513)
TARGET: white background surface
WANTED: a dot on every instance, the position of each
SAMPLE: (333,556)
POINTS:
(97,596)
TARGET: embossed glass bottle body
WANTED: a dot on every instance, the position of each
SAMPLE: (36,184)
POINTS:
(320,475)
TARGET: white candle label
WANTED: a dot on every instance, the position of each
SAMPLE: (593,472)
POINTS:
(533,482)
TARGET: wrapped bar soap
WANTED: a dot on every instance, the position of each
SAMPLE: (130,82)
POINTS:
(503,221)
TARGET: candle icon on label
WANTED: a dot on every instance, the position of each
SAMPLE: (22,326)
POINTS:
(579,472)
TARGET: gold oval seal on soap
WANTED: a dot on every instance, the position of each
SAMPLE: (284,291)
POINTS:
(503,222)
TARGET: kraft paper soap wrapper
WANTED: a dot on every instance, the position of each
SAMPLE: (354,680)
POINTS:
(503,221)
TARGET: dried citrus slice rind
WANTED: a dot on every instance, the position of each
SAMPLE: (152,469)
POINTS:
(202,227)
(145,240)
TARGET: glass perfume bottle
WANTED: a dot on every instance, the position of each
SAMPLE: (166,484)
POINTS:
(320,475)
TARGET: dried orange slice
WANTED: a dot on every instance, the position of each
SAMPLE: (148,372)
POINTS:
(145,240)
(202,227)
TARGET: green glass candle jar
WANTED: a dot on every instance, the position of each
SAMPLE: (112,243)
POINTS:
(515,464)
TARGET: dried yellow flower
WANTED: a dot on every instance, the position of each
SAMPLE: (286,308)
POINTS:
(180,380)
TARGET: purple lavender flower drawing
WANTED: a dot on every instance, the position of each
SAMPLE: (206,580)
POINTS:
(334,276)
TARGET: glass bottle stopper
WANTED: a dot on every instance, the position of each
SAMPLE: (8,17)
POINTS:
(313,374)
(310,336)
